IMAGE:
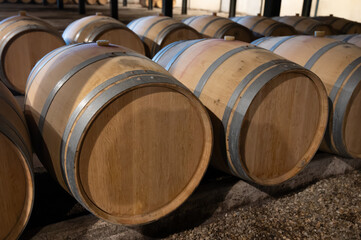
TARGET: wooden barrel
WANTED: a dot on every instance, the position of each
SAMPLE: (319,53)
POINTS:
(305,25)
(263,26)
(158,31)
(269,114)
(102,2)
(51,2)
(93,28)
(26,1)
(338,64)
(218,27)
(129,141)
(341,25)
(349,38)
(16,177)
(24,41)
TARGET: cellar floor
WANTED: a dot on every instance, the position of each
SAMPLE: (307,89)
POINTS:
(223,207)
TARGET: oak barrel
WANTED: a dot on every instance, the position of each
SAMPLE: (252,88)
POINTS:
(102,2)
(304,25)
(16,177)
(93,28)
(341,25)
(23,41)
(269,114)
(263,26)
(128,141)
(338,64)
(218,27)
(349,38)
(158,31)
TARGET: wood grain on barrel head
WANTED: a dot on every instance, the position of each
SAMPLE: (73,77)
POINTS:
(26,51)
(274,143)
(273,112)
(16,190)
(136,157)
(338,65)
(139,151)
(16,179)
(25,40)
(352,131)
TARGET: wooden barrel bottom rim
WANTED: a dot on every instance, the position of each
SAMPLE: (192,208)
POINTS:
(129,186)
(351,131)
(272,153)
(17,191)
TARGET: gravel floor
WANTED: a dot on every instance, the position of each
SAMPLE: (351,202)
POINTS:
(328,209)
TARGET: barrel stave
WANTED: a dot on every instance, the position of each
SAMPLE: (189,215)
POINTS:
(16,177)
(232,90)
(218,27)
(158,31)
(18,34)
(338,65)
(116,101)
(263,26)
(98,27)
